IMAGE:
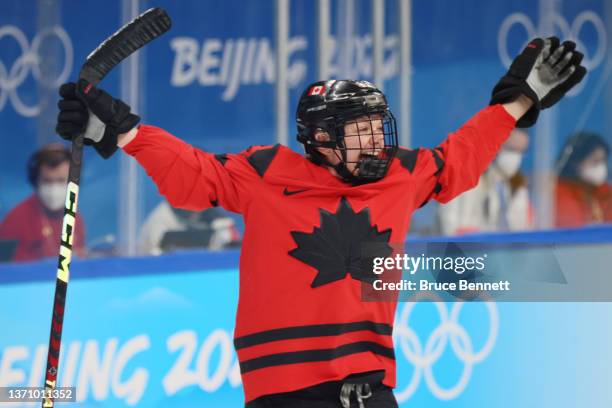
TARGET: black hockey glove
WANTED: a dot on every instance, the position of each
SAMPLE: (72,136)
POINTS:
(543,72)
(85,108)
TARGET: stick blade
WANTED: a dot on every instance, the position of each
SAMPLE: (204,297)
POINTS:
(128,39)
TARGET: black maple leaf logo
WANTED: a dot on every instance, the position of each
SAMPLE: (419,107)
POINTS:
(335,248)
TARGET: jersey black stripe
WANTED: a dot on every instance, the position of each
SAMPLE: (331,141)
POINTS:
(261,159)
(407,158)
(316,330)
(308,356)
(222,158)
(439,161)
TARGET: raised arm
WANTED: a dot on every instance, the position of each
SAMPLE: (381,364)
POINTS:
(537,79)
(189,178)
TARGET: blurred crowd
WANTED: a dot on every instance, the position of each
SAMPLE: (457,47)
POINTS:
(31,230)
(500,202)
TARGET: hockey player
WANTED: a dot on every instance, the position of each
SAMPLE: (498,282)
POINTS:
(303,336)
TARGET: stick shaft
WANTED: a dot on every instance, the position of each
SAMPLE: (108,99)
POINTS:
(128,39)
(63,268)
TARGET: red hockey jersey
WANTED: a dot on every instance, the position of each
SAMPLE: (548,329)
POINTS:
(300,318)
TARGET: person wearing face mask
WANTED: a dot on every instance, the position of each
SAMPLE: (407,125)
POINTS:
(583,194)
(500,200)
(36,222)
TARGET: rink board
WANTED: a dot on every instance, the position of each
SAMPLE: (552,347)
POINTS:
(158,332)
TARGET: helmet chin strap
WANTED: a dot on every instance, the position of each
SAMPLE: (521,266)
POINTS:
(345,174)
(342,170)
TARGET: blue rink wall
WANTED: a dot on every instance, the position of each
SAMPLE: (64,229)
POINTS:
(157,332)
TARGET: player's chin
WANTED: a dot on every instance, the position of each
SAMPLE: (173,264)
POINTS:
(353,167)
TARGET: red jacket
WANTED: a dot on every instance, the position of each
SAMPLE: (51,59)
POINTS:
(578,204)
(300,320)
(37,232)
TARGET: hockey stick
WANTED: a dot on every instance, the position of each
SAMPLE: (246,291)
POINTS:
(129,38)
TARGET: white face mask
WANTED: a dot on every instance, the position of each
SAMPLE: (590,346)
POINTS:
(595,175)
(52,195)
(508,162)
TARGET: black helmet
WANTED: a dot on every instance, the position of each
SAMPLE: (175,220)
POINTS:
(327,106)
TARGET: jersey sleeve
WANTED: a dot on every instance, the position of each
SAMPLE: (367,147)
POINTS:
(188,177)
(457,163)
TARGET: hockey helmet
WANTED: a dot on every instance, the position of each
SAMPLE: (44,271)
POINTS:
(328,106)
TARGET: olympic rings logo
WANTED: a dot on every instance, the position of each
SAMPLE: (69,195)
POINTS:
(567,31)
(30,60)
(449,330)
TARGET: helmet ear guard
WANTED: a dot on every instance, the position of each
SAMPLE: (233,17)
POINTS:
(307,136)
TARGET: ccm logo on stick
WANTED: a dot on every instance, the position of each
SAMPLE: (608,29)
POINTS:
(67,229)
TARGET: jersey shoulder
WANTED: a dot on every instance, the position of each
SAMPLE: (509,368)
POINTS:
(407,158)
(414,159)
(259,158)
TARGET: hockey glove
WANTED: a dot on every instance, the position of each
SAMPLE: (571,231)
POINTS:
(543,72)
(85,108)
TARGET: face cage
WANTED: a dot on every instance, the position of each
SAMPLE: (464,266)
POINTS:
(376,147)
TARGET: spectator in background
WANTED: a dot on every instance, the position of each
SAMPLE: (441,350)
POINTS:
(500,200)
(583,195)
(168,228)
(36,222)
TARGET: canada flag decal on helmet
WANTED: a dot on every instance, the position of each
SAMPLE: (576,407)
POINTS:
(316,90)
